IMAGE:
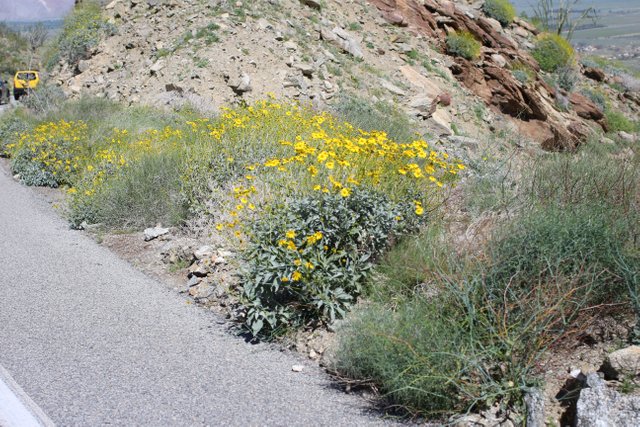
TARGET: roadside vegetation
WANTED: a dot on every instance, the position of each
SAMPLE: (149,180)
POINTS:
(312,199)
(452,330)
(327,214)
(350,214)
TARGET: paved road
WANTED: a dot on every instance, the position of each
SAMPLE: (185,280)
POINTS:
(92,341)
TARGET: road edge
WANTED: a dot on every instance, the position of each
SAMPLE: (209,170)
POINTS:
(27,412)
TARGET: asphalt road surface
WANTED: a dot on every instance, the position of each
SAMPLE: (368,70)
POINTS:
(92,341)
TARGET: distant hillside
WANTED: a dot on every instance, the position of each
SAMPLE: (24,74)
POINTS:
(20,26)
(616,35)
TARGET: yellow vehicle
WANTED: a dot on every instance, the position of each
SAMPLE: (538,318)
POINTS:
(24,81)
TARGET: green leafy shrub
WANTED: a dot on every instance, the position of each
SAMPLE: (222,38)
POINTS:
(474,335)
(307,259)
(463,44)
(572,247)
(522,72)
(567,77)
(552,51)
(83,29)
(500,10)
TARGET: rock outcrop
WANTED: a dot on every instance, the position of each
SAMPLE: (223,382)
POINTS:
(490,78)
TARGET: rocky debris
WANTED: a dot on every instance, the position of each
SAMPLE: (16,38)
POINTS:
(317,344)
(203,252)
(344,40)
(464,141)
(392,88)
(177,252)
(154,233)
(297,368)
(492,417)
(584,107)
(624,363)
(600,405)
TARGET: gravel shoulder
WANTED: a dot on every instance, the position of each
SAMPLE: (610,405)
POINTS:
(93,341)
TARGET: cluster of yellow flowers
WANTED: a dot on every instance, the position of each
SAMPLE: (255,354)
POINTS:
(306,151)
(56,146)
(281,149)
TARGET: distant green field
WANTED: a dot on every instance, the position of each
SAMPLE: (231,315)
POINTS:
(618,27)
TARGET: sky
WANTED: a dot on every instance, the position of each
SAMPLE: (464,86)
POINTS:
(33,10)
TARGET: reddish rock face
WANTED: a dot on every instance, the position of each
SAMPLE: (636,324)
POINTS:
(492,81)
(584,107)
(594,74)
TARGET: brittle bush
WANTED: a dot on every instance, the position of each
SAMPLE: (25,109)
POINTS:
(501,10)
(463,44)
(244,168)
(552,51)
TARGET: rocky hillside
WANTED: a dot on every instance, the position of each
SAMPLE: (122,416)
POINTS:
(213,53)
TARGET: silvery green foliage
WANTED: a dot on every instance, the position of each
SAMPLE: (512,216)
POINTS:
(293,281)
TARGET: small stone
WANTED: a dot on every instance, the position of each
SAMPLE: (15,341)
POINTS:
(297,368)
(83,65)
(392,88)
(241,84)
(519,31)
(193,281)
(199,269)
(154,233)
(289,45)
(225,253)
(499,60)
(204,252)
(626,362)
(157,67)
(575,373)
(307,70)
(627,137)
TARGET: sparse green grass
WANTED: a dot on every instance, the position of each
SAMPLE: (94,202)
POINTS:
(619,122)
(380,116)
